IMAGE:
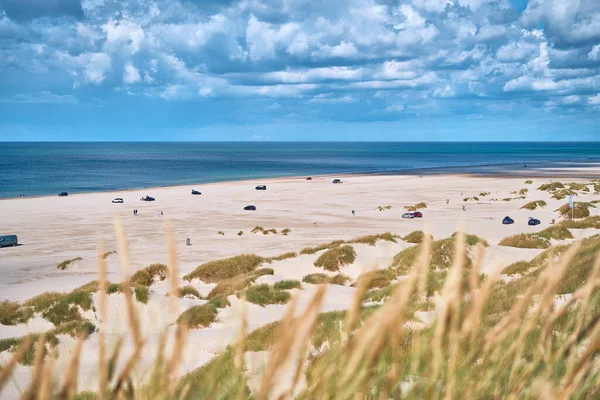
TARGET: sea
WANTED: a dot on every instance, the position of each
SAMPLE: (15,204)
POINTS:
(47,168)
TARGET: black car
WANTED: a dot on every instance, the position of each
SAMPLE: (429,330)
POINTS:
(534,221)
(261,187)
(147,198)
(337,181)
(508,221)
(195,192)
(63,194)
(250,208)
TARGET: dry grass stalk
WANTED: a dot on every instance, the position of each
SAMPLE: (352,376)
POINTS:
(68,389)
(102,310)
(7,369)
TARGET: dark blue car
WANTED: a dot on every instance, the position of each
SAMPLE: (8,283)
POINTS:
(508,221)
(533,221)
(250,208)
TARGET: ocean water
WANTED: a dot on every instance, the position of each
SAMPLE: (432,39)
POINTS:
(49,168)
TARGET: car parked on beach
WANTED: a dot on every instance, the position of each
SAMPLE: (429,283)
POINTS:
(63,194)
(508,221)
(408,215)
(309,178)
(250,208)
(147,198)
(533,221)
(337,181)
(117,200)
(261,187)
(8,240)
(195,192)
(418,214)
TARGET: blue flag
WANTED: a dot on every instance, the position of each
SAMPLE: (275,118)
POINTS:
(570,201)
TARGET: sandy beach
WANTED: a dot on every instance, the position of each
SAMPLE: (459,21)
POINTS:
(54,229)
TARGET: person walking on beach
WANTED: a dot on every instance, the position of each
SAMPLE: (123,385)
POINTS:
(161,213)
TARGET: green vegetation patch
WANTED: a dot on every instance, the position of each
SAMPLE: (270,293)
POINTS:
(65,264)
(474,198)
(483,194)
(557,231)
(265,294)
(383,208)
(523,191)
(313,250)
(142,294)
(236,283)
(11,313)
(220,302)
(286,231)
(66,309)
(336,257)
(534,205)
(260,229)
(320,278)
(216,271)
(287,284)
(519,267)
(585,223)
(473,240)
(528,182)
(561,194)
(582,187)
(198,316)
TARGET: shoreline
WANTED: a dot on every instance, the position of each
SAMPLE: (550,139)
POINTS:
(578,169)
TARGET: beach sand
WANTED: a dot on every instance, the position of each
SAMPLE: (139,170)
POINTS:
(55,229)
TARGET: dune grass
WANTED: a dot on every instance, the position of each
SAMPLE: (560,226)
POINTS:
(534,205)
(483,194)
(528,182)
(384,208)
(320,278)
(150,275)
(189,291)
(581,187)
(287,284)
(260,229)
(474,198)
(106,254)
(580,210)
(142,294)
(584,223)
(286,231)
(240,233)
(561,194)
(473,240)
(198,316)
(264,294)
(526,241)
(557,232)
(550,187)
(65,264)
(220,302)
(221,233)
(519,267)
(523,191)
(236,283)
(488,339)
(216,271)
(282,257)
(371,240)
(335,258)
(415,237)
(416,207)
(313,250)
(11,313)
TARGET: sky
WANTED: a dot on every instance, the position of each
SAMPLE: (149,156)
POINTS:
(400,70)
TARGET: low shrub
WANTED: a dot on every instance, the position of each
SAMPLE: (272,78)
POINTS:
(149,275)
(336,257)
(142,294)
(415,237)
(550,187)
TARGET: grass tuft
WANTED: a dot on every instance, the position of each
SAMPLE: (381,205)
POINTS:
(534,205)
(188,290)
(415,237)
(236,283)
(416,207)
(265,294)
(216,271)
(580,210)
(287,284)
(526,241)
(336,257)
(65,264)
(371,240)
(198,316)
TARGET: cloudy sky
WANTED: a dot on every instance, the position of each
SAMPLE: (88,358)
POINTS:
(299,70)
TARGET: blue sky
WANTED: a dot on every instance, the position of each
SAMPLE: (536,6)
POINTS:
(299,70)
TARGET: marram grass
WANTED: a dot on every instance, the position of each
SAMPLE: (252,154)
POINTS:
(486,339)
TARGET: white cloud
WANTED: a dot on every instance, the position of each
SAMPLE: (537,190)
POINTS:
(328,98)
(43,97)
(131,74)
(594,54)
(594,100)
(394,108)
(315,75)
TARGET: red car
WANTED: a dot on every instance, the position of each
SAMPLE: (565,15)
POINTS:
(417,214)
(309,178)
